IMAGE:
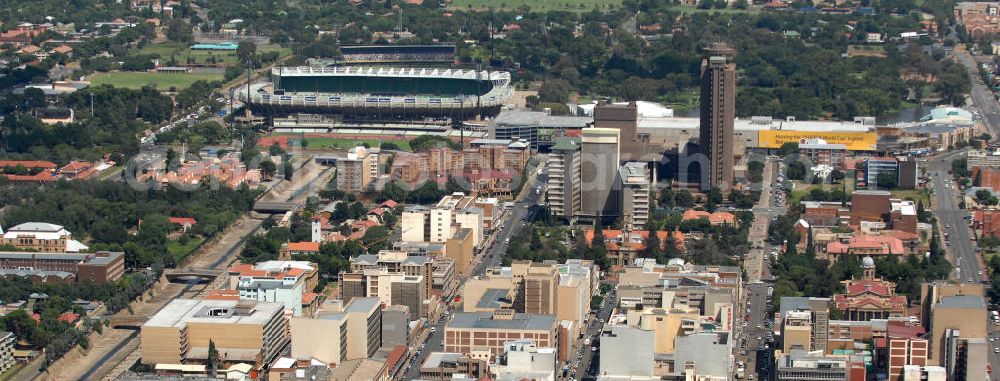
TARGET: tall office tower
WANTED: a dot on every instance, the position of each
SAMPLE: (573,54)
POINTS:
(718,110)
(625,118)
(600,193)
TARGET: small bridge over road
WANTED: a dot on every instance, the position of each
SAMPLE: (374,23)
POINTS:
(193,275)
(275,207)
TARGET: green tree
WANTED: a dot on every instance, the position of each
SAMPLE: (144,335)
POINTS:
(886,180)
(289,169)
(268,169)
(246,52)
(555,90)
(214,362)
(796,170)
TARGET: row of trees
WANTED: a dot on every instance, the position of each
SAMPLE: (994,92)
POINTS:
(108,214)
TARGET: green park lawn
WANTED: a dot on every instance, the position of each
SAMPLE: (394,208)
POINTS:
(180,52)
(536,5)
(915,194)
(180,251)
(338,143)
(162,81)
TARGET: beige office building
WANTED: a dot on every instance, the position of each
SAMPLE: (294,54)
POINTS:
(539,286)
(460,247)
(243,331)
(796,331)
(323,337)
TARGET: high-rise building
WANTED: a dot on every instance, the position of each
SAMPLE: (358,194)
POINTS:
(599,173)
(564,178)
(635,194)
(356,172)
(539,287)
(625,119)
(718,110)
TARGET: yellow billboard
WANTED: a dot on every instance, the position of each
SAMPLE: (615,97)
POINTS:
(853,141)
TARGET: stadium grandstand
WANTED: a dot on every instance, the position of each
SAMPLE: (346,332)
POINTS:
(398,54)
(384,91)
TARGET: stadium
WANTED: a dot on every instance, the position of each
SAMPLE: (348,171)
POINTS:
(380,91)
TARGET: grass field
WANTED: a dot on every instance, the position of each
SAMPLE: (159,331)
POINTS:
(915,194)
(181,53)
(162,81)
(536,5)
(179,250)
(318,142)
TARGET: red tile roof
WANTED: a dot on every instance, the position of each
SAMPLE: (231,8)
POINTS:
(44,176)
(28,164)
(303,246)
(309,297)
(68,317)
(222,295)
(395,356)
(183,220)
(389,204)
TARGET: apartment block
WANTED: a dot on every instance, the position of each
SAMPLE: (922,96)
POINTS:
(357,171)
(7,341)
(564,193)
(393,277)
(635,178)
(254,332)
(285,282)
(466,331)
(461,248)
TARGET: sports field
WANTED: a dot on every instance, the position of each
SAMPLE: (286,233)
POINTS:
(181,53)
(536,5)
(162,81)
(319,142)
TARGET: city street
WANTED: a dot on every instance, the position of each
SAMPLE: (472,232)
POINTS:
(491,256)
(951,219)
(982,98)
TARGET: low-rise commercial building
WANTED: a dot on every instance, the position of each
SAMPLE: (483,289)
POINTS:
(466,331)
(52,267)
(523,360)
(441,366)
(243,331)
